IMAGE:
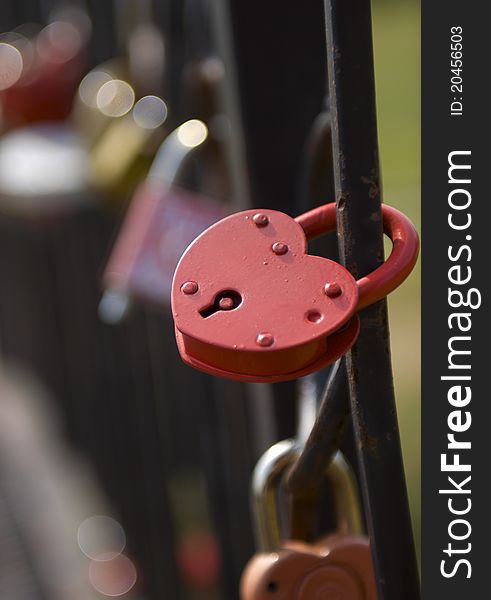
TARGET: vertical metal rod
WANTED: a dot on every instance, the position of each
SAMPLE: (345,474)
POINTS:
(358,198)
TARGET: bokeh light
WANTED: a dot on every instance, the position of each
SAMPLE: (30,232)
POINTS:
(70,13)
(199,560)
(146,53)
(150,112)
(11,65)
(115,98)
(59,42)
(113,578)
(192,133)
(101,538)
(90,85)
(213,70)
(42,160)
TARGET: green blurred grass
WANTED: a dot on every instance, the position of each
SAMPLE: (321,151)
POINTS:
(396,29)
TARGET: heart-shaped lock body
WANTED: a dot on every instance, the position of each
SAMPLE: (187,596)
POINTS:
(337,567)
(249,303)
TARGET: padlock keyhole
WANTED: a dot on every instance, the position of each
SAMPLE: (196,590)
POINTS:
(224,301)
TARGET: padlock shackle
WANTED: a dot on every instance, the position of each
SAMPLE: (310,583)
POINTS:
(175,150)
(397,267)
(268,473)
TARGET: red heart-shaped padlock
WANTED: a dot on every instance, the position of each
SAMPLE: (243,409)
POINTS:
(258,306)
(250,304)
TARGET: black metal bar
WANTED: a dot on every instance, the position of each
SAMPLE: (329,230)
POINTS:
(277,112)
(324,438)
(358,197)
(317,187)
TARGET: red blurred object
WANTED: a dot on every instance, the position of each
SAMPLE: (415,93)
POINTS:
(159,226)
(198,558)
(114,577)
(290,313)
(50,77)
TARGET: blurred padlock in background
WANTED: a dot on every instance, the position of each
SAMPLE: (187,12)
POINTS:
(134,471)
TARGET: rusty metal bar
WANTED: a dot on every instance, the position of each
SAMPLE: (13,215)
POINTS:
(324,439)
(358,198)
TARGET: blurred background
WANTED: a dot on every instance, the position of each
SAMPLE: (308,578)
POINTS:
(127,127)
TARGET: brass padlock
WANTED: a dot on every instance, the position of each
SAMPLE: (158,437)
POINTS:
(338,566)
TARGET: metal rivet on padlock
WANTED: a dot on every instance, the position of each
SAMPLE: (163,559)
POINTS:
(260,219)
(279,248)
(332,289)
(339,566)
(306,304)
(190,287)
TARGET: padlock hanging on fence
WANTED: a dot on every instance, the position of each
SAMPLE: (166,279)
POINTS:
(339,564)
(165,217)
(122,113)
(293,560)
(105,141)
(161,221)
(122,128)
(250,304)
